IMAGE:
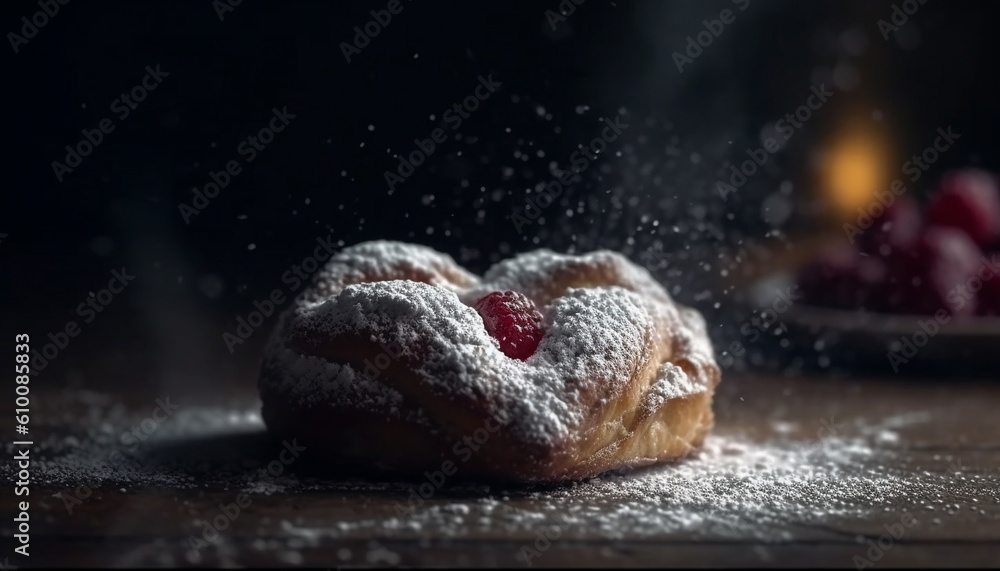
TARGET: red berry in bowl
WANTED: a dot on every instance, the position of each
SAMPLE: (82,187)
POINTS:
(935,274)
(968,200)
(897,227)
(512,319)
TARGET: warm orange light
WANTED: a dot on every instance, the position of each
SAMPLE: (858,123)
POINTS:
(854,170)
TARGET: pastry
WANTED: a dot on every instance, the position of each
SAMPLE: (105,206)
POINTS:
(549,367)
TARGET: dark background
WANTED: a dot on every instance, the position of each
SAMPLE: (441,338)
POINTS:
(324,174)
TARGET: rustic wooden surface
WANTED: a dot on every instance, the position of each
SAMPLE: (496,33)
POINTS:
(150,527)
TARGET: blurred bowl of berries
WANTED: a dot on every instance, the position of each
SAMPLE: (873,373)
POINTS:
(910,286)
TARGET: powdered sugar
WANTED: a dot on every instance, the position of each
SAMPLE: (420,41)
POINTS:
(773,486)
(384,260)
(301,376)
(735,488)
(263,482)
(671,382)
(96,455)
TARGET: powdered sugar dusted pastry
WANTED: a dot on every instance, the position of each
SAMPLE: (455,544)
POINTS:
(549,367)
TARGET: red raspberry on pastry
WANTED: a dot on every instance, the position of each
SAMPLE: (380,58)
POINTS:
(512,319)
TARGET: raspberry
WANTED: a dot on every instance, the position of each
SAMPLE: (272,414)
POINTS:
(968,200)
(934,274)
(897,228)
(512,319)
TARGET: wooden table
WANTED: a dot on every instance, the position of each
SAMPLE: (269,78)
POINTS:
(952,435)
